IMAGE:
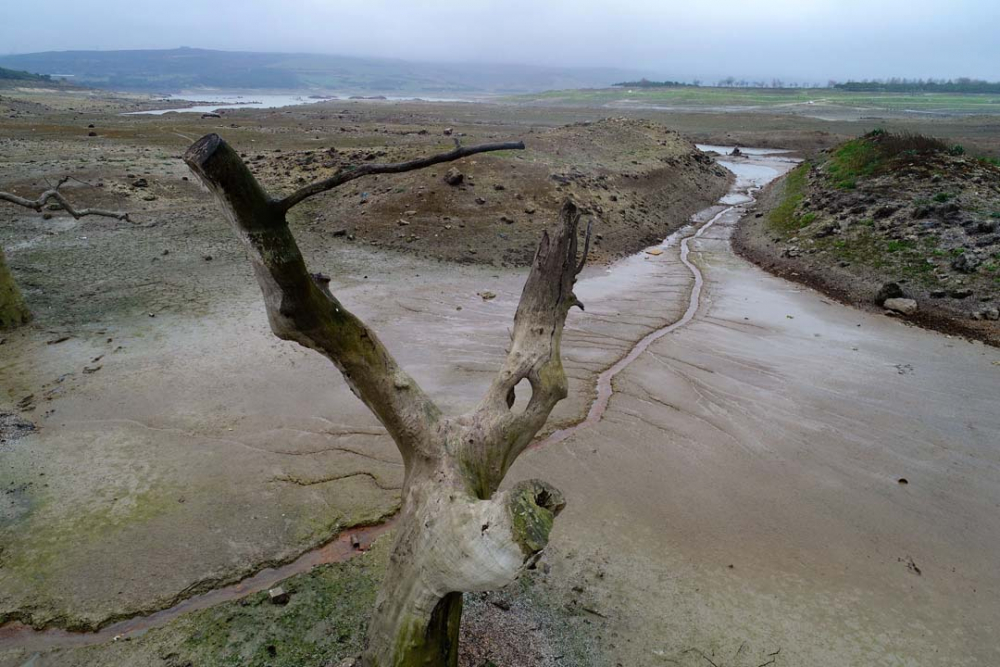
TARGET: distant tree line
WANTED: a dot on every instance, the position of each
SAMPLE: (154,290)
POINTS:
(646,83)
(896,85)
(18,75)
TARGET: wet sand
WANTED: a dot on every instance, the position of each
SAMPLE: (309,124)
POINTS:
(768,434)
(743,499)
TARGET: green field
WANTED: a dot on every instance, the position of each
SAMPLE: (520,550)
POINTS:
(945,103)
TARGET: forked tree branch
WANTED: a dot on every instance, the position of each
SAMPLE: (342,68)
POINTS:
(497,435)
(301,308)
(53,193)
(347,174)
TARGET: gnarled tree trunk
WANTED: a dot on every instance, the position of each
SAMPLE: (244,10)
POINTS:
(457,533)
(13,311)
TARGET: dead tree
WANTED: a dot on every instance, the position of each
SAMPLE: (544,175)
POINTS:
(13,311)
(456,532)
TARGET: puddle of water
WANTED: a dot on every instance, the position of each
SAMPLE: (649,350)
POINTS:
(726,150)
(247,101)
(255,101)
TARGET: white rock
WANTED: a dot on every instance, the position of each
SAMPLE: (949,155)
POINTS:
(904,306)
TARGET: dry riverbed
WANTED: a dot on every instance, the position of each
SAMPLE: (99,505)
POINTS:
(739,501)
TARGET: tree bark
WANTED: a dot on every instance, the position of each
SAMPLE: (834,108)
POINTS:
(456,532)
(13,311)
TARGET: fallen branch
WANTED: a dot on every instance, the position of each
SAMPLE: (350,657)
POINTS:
(53,193)
(346,174)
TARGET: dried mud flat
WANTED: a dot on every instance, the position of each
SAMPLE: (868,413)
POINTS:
(740,501)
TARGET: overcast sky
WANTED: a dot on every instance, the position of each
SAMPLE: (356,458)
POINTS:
(797,40)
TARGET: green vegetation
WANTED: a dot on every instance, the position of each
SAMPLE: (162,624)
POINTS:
(942,197)
(874,152)
(323,623)
(695,96)
(13,311)
(18,75)
(785,218)
(961,85)
(646,83)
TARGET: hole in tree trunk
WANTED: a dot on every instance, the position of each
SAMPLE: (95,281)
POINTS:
(519,396)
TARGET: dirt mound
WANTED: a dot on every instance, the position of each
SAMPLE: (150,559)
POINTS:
(891,217)
(638,179)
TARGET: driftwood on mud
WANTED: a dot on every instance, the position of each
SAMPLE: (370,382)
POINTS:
(347,174)
(53,193)
(456,532)
(13,310)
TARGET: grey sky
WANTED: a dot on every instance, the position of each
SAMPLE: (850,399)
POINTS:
(804,40)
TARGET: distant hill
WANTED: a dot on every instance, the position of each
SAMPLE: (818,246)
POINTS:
(185,68)
(18,75)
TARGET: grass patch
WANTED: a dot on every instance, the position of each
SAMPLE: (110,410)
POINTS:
(942,197)
(874,152)
(784,218)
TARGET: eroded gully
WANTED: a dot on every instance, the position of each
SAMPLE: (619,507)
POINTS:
(752,173)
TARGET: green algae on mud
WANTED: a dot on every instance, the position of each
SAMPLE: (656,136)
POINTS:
(325,621)
(13,311)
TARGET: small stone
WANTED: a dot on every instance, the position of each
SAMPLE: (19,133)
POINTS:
(961,293)
(402,223)
(902,306)
(340,232)
(207,258)
(480,201)
(453,176)
(278,595)
(967,262)
(355,542)
(890,290)
(448,131)
(140,183)
(486,295)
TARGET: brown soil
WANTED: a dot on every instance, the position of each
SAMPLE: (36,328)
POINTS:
(637,179)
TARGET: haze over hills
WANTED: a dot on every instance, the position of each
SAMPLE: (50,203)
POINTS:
(173,70)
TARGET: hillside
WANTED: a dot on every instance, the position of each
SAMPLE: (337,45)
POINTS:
(896,221)
(185,68)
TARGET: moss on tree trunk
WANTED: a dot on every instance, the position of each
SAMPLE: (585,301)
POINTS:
(13,311)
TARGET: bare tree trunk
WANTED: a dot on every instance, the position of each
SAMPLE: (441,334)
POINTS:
(13,311)
(457,533)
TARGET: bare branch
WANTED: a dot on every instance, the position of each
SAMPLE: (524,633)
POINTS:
(347,174)
(53,193)
(301,308)
(497,435)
